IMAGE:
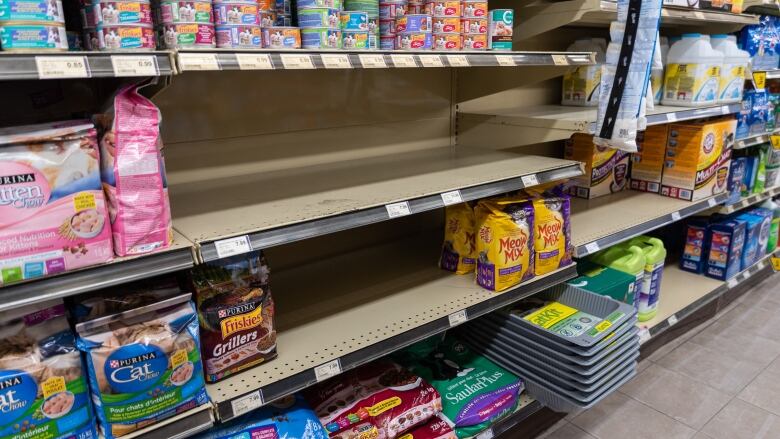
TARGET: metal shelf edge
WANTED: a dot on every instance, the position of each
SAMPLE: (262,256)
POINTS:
(750,200)
(507,424)
(23,66)
(183,425)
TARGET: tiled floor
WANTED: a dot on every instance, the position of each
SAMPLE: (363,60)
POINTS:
(719,381)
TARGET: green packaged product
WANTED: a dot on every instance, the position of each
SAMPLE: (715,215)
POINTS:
(760,184)
(605,281)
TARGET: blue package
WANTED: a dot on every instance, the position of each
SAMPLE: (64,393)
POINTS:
(760,41)
(749,178)
(725,248)
(758,112)
(766,225)
(696,244)
(290,417)
(736,177)
(743,118)
(750,250)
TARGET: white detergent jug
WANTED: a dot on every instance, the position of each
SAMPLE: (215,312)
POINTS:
(581,85)
(692,76)
(657,70)
(735,64)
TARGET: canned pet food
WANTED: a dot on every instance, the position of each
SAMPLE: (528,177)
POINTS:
(283,20)
(446,41)
(413,41)
(126,37)
(387,42)
(473,26)
(354,40)
(446,25)
(450,8)
(74,41)
(235,13)
(500,29)
(282,37)
(88,17)
(371,7)
(388,9)
(172,12)
(474,41)
(320,38)
(282,7)
(90,39)
(474,9)
(318,17)
(354,21)
(387,27)
(413,23)
(373,24)
(111,13)
(373,40)
(415,9)
(239,36)
(306,4)
(21,36)
(266,5)
(49,11)
(267,18)
(188,36)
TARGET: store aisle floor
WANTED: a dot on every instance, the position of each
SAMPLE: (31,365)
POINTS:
(721,380)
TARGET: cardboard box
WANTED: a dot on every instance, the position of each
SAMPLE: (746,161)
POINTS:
(694,4)
(698,156)
(605,281)
(606,169)
(647,165)
(697,239)
(751,249)
(725,252)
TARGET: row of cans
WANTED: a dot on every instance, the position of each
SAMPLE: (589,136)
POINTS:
(32,11)
(476,9)
(447,41)
(426,23)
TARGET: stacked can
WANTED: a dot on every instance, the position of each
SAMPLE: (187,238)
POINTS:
(185,24)
(371,9)
(283,11)
(474,25)
(413,32)
(238,24)
(38,25)
(320,24)
(500,29)
(416,7)
(354,30)
(446,23)
(389,10)
(124,24)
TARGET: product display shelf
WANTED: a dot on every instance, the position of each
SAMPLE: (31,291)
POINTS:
(119,271)
(526,407)
(764,7)
(338,59)
(181,426)
(683,293)
(368,303)
(750,200)
(605,221)
(537,19)
(63,65)
(754,140)
(558,122)
(273,208)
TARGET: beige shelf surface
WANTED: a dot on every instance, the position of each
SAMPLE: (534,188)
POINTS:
(750,200)
(678,290)
(221,206)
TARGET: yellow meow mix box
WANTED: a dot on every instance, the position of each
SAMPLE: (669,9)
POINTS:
(606,169)
(647,164)
(698,156)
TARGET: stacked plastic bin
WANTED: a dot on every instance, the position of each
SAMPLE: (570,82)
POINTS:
(572,351)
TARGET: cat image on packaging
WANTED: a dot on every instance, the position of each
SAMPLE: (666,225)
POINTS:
(505,242)
(606,169)
(552,234)
(458,252)
(647,164)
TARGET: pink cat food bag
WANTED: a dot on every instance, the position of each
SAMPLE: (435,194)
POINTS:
(53,215)
(133,174)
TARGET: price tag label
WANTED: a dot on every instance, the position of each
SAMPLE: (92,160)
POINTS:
(775,263)
(254,61)
(431,61)
(672,320)
(560,60)
(55,67)
(732,282)
(458,60)
(712,202)
(671,117)
(748,274)
(398,209)
(699,15)
(592,247)
(644,335)
(725,109)
(233,246)
(295,61)
(506,60)
(403,61)
(529,180)
(452,197)
(372,61)
(327,370)
(676,216)
(457,318)
(333,61)
(487,434)
(247,403)
(759,81)
(135,65)
(198,61)
(775,139)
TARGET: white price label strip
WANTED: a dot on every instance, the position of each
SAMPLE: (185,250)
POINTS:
(327,370)
(671,117)
(398,209)
(592,247)
(54,67)
(748,274)
(332,61)
(431,61)
(372,61)
(198,61)
(295,61)
(672,320)
(487,434)
(233,246)
(452,197)
(560,60)
(135,65)
(711,202)
(676,216)
(246,403)
(457,318)
(530,180)
(732,282)
(644,335)
(254,61)
(505,60)
(403,61)
(699,15)
(458,60)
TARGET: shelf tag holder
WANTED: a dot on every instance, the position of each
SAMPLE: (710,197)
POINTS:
(529,180)
(431,61)
(58,67)
(233,246)
(775,140)
(396,210)
(676,216)
(335,61)
(592,247)
(294,61)
(403,61)
(458,60)
(327,370)
(198,61)
(452,197)
(457,318)
(247,403)
(372,61)
(644,335)
(672,320)
(254,61)
(135,65)
(759,81)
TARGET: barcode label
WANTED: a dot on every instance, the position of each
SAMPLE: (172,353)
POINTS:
(233,246)
(530,180)
(505,60)
(711,202)
(403,61)
(372,61)
(332,61)
(198,61)
(295,61)
(672,320)
(134,65)
(398,209)
(327,370)
(55,67)
(732,282)
(560,60)
(676,216)
(452,197)
(592,247)
(431,61)
(252,61)
(247,403)
(458,60)
(671,117)
(457,318)
(644,335)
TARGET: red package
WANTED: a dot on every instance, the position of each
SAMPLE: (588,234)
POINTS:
(379,400)
(436,428)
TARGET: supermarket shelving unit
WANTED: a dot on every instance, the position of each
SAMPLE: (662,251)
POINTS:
(749,201)
(754,140)
(60,65)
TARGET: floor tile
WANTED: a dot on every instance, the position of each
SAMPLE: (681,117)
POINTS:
(672,345)
(620,417)
(566,431)
(764,391)
(739,342)
(642,365)
(701,435)
(740,420)
(762,320)
(676,395)
(713,367)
